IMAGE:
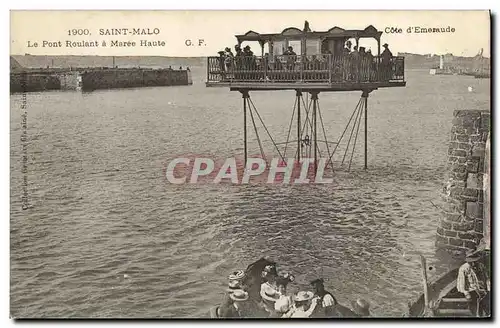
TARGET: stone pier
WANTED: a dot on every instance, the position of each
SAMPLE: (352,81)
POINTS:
(461,226)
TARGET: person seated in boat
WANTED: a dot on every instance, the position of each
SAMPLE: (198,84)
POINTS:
(361,308)
(235,283)
(269,291)
(326,300)
(473,281)
(284,302)
(236,307)
(304,304)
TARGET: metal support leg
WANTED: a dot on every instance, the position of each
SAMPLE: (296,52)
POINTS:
(365,96)
(299,141)
(314,97)
(245,100)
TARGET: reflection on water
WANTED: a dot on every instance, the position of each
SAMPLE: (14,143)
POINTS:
(109,237)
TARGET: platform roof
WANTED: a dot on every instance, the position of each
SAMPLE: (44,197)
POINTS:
(296,33)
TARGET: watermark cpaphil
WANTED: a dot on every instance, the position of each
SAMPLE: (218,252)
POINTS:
(25,203)
(203,169)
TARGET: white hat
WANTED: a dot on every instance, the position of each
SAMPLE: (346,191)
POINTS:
(233,285)
(239,295)
(237,275)
(303,296)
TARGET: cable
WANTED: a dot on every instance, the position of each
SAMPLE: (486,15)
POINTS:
(290,126)
(355,138)
(340,139)
(350,136)
(324,134)
(269,134)
(257,133)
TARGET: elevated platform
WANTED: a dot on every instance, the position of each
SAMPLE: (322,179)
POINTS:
(306,86)
(307,74)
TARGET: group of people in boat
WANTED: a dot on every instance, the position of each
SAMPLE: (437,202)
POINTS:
(352,64)
(272,299)
(474,281)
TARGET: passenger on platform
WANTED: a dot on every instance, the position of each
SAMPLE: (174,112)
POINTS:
(371,64)
(221,61)
(315,63)
(386,63)
(247,51)
(303,307)
(361,308)
(345,64)
(473,281)
(290,57)
(347,48)
(238,58)
(326,300)
(363,67)
(354,63)
(248,58)
(228,59)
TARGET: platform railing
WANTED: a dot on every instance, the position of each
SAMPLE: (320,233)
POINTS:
(308,69)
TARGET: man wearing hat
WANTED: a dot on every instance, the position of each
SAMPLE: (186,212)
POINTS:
(473,281)
(347,48)
(304,305)
(235,308)
(386,62)
(325,299)
(226,309)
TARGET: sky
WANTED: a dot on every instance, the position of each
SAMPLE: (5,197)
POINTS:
(217,29)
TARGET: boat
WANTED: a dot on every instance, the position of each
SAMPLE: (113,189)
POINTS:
(444,300)
(440,298)
(253,279)
(482,75)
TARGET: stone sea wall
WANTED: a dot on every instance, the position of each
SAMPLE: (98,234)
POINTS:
(461,226)
(25,82)
(94,79)
(130,78)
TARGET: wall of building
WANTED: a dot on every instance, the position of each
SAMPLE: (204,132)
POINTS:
(461,226)
(130,78)
(487,195)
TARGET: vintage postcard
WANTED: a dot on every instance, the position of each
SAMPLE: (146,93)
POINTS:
(250,164)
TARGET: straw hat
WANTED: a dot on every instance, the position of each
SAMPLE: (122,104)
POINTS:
(233,285)
(303,296)
(239,295)
(237,275)
(361,307)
